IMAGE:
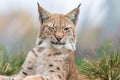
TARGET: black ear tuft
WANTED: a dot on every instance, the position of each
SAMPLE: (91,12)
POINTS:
(38,4)
(79,5)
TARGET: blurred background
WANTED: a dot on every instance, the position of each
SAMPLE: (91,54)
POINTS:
(99,21)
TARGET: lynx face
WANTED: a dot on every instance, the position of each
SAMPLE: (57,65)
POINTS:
(57,30)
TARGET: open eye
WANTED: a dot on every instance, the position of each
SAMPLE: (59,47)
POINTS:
(67,28)
(52,28)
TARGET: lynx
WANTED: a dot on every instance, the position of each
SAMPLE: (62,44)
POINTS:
(53,56)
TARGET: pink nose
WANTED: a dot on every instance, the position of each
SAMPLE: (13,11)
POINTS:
(59,36)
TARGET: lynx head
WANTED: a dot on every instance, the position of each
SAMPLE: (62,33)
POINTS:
(57,30)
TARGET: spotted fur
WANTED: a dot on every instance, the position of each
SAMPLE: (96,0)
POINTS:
(53,56)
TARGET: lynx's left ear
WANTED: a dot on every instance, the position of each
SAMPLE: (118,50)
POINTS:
(73,15)
(43,14)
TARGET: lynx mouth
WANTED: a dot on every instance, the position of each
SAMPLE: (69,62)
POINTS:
(58,43)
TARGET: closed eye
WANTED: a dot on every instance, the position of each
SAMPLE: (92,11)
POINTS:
(67,28)
(52,28)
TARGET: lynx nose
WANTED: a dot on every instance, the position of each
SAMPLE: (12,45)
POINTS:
(59,36)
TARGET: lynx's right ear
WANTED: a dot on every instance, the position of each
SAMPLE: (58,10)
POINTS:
(43,14)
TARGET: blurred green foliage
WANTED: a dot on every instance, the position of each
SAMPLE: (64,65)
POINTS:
(106,66)
(10,64)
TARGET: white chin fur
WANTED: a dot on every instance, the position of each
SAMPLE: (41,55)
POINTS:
(57,46)
(69,46)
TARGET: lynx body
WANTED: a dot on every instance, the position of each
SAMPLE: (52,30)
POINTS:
(53,56)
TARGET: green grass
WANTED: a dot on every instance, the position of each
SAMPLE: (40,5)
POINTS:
(10,64)
(106,66)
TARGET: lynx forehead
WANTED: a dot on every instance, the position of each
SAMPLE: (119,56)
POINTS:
(59,20)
